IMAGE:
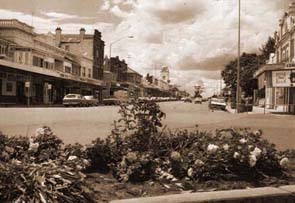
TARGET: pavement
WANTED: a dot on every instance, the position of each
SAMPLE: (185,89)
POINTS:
(86,124)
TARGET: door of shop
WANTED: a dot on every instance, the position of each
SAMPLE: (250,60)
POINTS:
(292,100)
(20,92)
(0,90)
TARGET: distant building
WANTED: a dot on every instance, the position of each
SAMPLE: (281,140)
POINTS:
(42,68)
(153,87)
(165,75)
(276,79)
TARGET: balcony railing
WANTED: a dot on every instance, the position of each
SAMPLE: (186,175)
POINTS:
(15,24)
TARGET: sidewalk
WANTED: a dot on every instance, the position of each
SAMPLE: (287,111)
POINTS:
(258,110)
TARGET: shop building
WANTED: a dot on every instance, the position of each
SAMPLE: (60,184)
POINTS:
(41,69)
(276,79)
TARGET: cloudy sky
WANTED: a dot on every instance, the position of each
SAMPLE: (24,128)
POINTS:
(195,38)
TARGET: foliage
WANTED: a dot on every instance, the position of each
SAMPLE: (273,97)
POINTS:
(134,133)
(140,150)
(267,49)
(249,64)
(39,169)
(47,182)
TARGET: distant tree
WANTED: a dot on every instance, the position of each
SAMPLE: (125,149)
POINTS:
(267,49)
(249,63)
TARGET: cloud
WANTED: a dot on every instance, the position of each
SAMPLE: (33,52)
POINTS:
(118,12)
(155,38)
(58,15)
(106,5)
(207,64)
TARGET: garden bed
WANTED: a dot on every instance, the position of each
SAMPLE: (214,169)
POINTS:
(140,158)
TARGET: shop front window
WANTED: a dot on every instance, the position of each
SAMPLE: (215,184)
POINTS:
(9,87)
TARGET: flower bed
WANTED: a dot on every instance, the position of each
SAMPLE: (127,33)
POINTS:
(143,157)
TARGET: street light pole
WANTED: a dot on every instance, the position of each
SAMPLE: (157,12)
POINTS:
(238,65)
(110,48)
(116,42)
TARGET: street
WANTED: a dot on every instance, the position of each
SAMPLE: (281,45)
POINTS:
(85,124)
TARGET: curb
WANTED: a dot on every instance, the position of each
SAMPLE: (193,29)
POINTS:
(283,194)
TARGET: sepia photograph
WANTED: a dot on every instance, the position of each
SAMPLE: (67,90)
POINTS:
(147,101)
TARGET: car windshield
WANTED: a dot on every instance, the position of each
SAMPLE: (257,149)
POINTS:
(88,97)
(218,100)
(71,96)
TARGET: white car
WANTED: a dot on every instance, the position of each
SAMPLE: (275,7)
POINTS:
(217,103)
(73,100)
(90,100)
(198,100)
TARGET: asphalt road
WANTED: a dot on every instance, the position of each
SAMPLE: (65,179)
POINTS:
(85,124)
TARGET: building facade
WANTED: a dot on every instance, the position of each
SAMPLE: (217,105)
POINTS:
(41,69)
(276,79)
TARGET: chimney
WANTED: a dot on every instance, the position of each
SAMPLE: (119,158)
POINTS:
(82,33)
(58,36)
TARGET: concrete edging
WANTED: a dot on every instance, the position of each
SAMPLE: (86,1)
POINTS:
(284,194)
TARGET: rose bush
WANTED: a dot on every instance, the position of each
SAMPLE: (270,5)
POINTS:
(228,154)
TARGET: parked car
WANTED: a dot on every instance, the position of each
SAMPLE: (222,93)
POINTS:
(90,100)
(198,100)
(189,100)
(114,101)
(217,103)
(73,100)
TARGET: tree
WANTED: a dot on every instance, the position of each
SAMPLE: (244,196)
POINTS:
(250,63)
(267,49)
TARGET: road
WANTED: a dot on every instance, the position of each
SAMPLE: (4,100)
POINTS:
(85,124)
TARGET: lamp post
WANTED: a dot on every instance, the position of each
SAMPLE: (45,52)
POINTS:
(238,96)
(111,44)
(110,49)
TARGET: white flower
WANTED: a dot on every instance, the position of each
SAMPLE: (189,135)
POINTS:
(86,162)
(190,172)
(212,148)
(15,161)
(252,160)
(33,146)
(236,155)
(243,141)
(226,147)
(199,163)
(72,158)
(39,131)
(131,157)
(258,132)
(175,156)
(284,162)
(256,152)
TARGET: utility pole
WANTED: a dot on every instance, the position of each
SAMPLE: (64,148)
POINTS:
(238,96)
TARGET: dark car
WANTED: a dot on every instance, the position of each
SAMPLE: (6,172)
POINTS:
(111,101)
(90,100)
(198,100)
(73,100)
(189,100)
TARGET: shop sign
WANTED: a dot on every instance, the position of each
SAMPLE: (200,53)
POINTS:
(27,84)
(281,78)
(290,65)
(49,86)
